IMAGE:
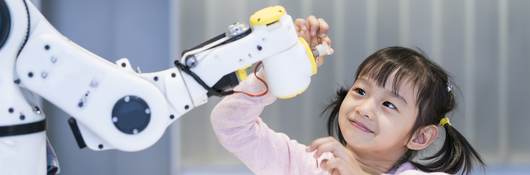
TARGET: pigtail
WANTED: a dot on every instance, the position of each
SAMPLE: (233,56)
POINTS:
(456,154)
(333,119)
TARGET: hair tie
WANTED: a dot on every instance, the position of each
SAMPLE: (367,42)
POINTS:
(449,87)
(445,121)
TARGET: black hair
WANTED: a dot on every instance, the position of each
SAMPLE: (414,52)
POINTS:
(435,100)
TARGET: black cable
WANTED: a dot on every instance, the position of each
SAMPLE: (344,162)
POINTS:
(211,91)
(186,69)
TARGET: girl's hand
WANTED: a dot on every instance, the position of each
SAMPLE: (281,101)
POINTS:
(314,31)
(343,162)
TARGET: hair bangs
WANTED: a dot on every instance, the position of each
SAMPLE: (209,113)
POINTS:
(402,71)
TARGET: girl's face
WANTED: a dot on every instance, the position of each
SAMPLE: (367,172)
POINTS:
(376,121)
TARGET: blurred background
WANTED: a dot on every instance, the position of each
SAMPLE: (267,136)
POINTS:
(483,44)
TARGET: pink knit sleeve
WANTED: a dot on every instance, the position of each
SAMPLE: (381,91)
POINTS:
(241,131)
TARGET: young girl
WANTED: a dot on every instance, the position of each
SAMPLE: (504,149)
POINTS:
(397,105)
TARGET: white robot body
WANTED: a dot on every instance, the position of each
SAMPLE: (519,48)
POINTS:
(26,153)
(23,154)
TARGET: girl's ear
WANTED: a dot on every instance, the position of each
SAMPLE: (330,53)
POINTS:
(422,138)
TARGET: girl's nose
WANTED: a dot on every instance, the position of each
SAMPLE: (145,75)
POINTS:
(367,116)
(365,109)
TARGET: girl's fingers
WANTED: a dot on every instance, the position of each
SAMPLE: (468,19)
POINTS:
(333,147)
(336,166)
(298,22)
(326,147)
(323,26)
(318,142)
(326,40)
(300,25)
(329,144)
(330,165)
(314,31)
(302,30)
(319,61)
(324,165)
(317,28)
(313,25)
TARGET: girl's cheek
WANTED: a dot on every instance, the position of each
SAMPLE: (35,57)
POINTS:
(394,127)
(388,130)
(348,101)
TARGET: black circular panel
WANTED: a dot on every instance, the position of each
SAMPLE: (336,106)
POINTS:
(5,23)
(131,114)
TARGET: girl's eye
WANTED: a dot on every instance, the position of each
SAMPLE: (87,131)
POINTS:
(389,105)
(359,91)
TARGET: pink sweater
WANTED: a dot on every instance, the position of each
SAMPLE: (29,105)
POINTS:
(241,131)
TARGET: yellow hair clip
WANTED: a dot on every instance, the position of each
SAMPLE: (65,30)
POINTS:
(445,121)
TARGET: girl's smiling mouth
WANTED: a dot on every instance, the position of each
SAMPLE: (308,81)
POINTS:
(361,126)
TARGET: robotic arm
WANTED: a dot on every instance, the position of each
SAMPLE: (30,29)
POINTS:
(114,107)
